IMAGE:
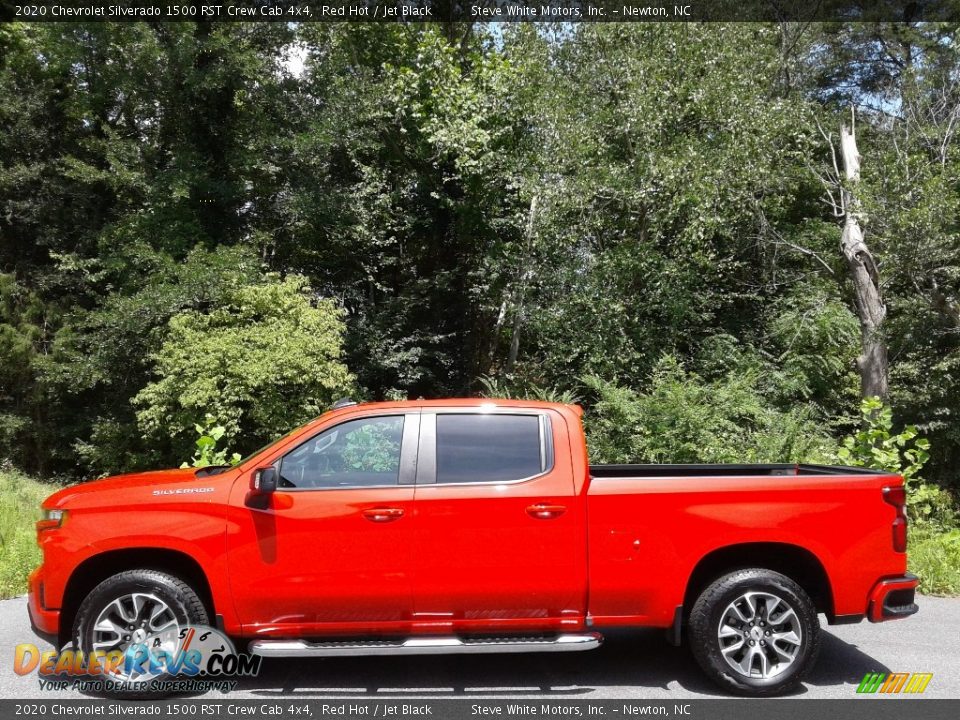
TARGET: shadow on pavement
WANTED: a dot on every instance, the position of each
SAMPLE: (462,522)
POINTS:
(841,663)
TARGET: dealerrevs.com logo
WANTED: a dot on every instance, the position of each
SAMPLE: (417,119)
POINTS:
(196,658)
(894,682)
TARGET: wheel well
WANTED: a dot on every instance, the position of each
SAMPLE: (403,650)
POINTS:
(94,570)
(795,562)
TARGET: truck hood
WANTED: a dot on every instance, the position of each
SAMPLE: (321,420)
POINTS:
(150,484)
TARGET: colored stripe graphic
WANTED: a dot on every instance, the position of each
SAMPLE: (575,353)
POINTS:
(894,682)
(918,683)
(871,682)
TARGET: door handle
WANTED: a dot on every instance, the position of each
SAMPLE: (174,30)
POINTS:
(382,515)
(546,511)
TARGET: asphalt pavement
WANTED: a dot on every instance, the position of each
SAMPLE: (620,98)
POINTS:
(629,665)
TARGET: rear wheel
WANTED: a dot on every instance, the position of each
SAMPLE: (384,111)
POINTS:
(146,607)
(755,632)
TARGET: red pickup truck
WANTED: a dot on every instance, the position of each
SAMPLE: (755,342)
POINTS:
(475,526)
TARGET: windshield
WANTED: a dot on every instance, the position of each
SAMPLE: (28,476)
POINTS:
(272,443)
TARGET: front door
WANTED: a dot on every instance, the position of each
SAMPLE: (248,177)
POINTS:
(330,550)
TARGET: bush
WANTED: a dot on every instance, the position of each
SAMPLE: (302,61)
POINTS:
(515,388)
(934,555)
(876,445)
(20,498)
(934,546)
(207,453)
(264,361)
(685,419)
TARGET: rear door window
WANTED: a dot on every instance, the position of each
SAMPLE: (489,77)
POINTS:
(489,447)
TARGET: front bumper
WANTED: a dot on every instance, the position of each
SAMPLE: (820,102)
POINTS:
(45,623)
(893,598)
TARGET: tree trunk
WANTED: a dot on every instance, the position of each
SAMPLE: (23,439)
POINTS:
(868,302)
(526,272)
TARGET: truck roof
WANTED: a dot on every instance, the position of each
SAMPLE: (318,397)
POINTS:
(467,402)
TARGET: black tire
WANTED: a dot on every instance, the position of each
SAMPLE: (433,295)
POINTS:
(715,606)
(179,597)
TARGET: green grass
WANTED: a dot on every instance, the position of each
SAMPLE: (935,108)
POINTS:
(934,555)
(20,498)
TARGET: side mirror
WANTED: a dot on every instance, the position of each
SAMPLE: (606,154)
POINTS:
(263,481)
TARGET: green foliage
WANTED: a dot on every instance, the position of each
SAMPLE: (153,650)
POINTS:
(207,452)
(684,419)
(529,205)
(101,358)
(877,446)
(932,506)
(650,200)
(22,318)
(524,389)
(20,498)
(934,556)
(405,197)
(816,338)
(375,447)
(267,359)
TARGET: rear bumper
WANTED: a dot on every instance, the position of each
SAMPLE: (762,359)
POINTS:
(45,623)
(893,598)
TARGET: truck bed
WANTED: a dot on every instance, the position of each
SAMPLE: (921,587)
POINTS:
(651,526)
(599,472)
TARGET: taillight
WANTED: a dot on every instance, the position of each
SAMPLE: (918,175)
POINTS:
(896,495)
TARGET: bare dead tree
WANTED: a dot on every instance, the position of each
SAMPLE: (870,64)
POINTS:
(840,195)
(871,311)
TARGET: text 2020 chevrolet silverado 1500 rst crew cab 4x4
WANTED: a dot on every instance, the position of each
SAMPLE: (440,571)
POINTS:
(477,526)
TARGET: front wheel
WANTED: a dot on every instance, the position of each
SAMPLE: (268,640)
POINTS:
(755,632)
(136,607)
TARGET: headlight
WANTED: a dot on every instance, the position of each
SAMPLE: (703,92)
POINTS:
(51,518)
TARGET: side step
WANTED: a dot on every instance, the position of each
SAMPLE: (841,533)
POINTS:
(426,646)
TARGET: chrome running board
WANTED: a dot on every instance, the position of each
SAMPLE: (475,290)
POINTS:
(426,646)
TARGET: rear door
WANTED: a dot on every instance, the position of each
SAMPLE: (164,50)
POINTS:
(499,537)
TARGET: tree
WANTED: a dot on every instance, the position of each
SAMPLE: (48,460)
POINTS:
(402,197)
(532,206)
(861,268)
(901,80)
(267,359)
(123,149)
(684,419)
(660,150)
